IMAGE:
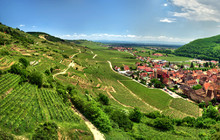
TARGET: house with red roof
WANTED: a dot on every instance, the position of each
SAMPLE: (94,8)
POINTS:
(126,68)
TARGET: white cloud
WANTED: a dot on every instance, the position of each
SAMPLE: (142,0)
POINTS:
(168,20)
(198,10)
(21,25)
(33,26)
(165,4)
(128,37)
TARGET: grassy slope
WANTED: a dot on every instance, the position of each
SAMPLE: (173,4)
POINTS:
(55,51)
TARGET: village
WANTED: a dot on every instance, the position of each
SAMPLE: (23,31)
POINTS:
(200,83)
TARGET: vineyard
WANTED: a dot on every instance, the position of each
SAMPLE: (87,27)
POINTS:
(27,106)
(5,62)
(8,81)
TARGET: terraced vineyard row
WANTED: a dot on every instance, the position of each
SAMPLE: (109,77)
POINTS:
(27,106)
(8,81)
(4,62)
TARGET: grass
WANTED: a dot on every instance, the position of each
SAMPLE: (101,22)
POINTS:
(154,97)
(185,106)
(171,58)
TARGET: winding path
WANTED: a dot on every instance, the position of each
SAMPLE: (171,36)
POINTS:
(72,64)
(96,133)
(94,56)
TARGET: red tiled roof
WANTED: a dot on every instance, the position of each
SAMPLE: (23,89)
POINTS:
(126,67)
(206,86)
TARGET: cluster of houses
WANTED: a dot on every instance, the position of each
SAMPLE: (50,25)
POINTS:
(122,49)
(171,76)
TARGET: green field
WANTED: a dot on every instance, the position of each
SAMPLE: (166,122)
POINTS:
(154,97)
(27,106)
(185,106)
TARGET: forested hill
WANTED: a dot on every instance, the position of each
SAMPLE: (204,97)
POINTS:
(46,36)
(207,48)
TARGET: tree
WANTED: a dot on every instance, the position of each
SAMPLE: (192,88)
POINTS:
(47,72)
(36,78)
(122,120)
(196,87)
(189,121)
(24,62)
(46,131)
(136,115)
(210,112)
(154,114)
(202,104)
(163,124)
(192,65)
(103,99)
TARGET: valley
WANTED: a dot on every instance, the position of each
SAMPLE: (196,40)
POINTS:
(65,86)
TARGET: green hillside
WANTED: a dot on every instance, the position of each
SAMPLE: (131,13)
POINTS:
(46,36)
(207,48)
(45,83)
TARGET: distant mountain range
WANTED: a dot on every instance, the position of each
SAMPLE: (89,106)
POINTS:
(138,44)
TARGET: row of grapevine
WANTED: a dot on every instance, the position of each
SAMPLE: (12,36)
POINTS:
(55,106)
(5,62)
(8,81)
(26,106)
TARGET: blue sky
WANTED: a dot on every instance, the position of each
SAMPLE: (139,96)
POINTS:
(172,21)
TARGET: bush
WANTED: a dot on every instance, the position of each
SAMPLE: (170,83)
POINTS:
(136,115)
(5,136)
(17,69)
(46,131)
(36,78)
(210,112)
(47,72)
(204,123)
(93,113)
(215,136)
(189,121)
(122,120)
(196,87)
(202,104)
(154,115)
(24,62)
(103,99)
(163,124)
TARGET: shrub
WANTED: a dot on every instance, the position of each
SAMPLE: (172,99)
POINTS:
(210,112)
(103,99)
(122,120)
(24,62)
(93,113)
(46,131)
(163,124)
(202,104)
(47,72)
(189,121)
(215,136)
(196,87)
(5,136)
(204,123)
(36,78)
(154,115)
(136,115)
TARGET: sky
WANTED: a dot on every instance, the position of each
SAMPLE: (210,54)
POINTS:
(168,21)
